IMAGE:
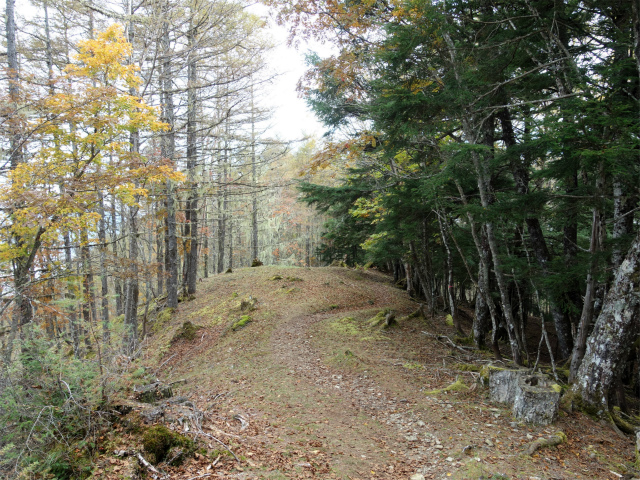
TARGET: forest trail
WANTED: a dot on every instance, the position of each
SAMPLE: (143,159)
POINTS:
(307,389)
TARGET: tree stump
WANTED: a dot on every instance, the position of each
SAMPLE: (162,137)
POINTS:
(503,385)
(536,400)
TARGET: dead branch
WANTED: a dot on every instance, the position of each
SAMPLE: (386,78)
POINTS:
(148,466)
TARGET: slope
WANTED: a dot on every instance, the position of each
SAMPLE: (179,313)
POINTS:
(286,372)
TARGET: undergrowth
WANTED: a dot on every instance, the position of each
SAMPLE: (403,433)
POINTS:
(54,404)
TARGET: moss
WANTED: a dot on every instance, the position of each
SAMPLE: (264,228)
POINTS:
(457,386)
(256,263)
(556,388)
(229,270)
(413,366)
(449,320)
(248,304)
(379,317)
(158,441)
(162,318)
(241,322)
(276,277)
(485,372)
(294,279)
(333,307)
(345,326)
(187,332)
(467,367)
(460,340)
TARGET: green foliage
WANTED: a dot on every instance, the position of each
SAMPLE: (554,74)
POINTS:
(50,406)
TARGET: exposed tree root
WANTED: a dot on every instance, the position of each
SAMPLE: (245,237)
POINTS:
(552,441)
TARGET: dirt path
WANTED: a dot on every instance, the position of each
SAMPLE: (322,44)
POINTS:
(408,435)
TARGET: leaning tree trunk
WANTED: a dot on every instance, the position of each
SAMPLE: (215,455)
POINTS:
(614,333)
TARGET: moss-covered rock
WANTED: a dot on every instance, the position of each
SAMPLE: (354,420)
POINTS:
(241,322)
(248,304)
(187,332)
(256,263)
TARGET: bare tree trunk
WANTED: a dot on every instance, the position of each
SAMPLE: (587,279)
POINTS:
(520,169)
(168,152)
(191,253)
(449,282)
(117,281)
(586,319)
(254,193)
(104,284)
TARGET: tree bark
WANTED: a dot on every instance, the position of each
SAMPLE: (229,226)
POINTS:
(615,332)
(168,152)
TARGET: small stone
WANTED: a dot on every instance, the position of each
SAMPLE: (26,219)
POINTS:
(421,423)
(529,436)
(439,447)
(417,476)
(411,438)
(449,459)
(488,442)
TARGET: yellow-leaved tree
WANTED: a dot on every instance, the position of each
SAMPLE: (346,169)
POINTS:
(77,149)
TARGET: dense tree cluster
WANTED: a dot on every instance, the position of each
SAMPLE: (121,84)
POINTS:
(495,152)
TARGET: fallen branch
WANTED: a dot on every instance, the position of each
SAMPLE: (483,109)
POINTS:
(148,466)
(439,337)
(552,441)
(220,442)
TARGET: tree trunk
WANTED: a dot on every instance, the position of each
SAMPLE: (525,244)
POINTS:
(191,253)
(615,332)
(520,170)
(168,152)
(586,318)
(104,284)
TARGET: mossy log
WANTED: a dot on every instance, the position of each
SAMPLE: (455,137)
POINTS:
(383,319)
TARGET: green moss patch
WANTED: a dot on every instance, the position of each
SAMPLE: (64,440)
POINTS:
(162,444)
(457,386)
(241,322)
(187,332)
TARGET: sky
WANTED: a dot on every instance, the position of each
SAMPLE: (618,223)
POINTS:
(291,118)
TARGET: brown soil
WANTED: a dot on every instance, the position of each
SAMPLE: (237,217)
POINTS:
(308,390)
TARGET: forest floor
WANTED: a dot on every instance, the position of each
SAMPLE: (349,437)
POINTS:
(307,389)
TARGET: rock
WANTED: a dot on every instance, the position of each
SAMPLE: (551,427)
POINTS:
(152,392)
(417,476)
(503,384)
(536,400)
(411,438)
